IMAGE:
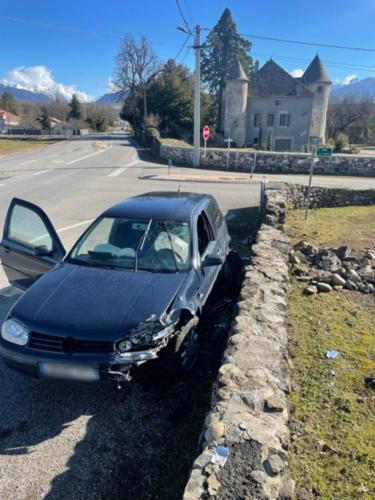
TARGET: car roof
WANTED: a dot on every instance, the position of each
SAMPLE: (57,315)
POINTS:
(165,205)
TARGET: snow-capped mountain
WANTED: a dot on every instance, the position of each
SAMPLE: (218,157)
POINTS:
(115,98)
(23,94)
(356,88)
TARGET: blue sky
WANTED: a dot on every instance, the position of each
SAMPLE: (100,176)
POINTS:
(87,61)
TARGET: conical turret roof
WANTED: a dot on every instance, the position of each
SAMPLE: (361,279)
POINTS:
(316,72)
(237,73)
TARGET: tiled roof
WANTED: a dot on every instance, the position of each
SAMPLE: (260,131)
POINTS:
(273,80)
(316,72)
(237,73)
(9,117)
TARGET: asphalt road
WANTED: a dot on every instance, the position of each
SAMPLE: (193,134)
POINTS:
(59,441)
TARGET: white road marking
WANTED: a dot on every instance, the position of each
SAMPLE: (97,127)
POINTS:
(1,185)
(28,162)
(121,170)
(58,161)
(62,229)
(41,172)
(89,156)
(117,172)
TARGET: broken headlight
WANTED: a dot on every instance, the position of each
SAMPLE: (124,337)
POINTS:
(145,336)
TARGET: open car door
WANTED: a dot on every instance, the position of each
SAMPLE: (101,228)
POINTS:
(30,245)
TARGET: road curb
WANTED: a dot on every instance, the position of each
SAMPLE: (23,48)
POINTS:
(200,179)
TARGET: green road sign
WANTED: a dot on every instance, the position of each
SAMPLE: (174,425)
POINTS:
(324,151)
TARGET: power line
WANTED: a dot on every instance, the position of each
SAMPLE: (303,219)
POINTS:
(188,49)
(313,44)
(182,46)
(72,30)
(183,16)
(188,11)
(301,42)
(336,64)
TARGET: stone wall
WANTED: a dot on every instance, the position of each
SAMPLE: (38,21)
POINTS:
(248,423)
(293,196)
(275,163)
(327,197)
(247,427)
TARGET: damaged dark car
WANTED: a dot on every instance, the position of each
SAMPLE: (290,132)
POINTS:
(130,291)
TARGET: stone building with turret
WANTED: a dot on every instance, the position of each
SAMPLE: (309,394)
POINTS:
(275,110)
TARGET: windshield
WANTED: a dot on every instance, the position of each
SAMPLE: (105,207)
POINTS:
(135,244)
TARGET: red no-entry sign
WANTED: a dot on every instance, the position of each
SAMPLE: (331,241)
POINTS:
(206,132)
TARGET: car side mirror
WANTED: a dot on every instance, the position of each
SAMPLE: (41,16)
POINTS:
(212,260)
(42,251)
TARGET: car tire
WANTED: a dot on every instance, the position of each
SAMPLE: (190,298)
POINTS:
(181,354)
(232,275)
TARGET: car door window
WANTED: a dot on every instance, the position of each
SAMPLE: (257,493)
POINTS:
(27,228)
(205,234)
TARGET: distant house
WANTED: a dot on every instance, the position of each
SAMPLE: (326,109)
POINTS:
(60,127)
(8,120)
(275,110)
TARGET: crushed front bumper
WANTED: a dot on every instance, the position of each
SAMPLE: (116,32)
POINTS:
(77,368)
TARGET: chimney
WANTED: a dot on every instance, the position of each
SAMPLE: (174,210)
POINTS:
(256,66)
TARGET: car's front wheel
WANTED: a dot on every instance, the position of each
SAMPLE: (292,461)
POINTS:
(181,354)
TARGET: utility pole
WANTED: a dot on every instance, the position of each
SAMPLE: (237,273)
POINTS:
(197,90)
(197,97)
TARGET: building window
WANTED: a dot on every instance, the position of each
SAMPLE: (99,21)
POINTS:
(277,103)
(284,120)
(270,120)
(257,120)
(320,88)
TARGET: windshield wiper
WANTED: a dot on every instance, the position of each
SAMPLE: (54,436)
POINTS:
(81,262)
(141,244)
(174,253)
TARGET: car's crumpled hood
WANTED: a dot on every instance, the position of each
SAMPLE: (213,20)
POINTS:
(88,302)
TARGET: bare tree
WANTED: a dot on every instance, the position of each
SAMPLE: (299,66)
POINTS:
(136,65)
(348,112)
(29,112)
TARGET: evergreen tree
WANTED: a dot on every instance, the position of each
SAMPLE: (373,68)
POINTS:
(9,103)
(43,119)
(170,97)
(223,47)
(75,112)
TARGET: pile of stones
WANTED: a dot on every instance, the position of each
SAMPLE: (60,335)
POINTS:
(327,269)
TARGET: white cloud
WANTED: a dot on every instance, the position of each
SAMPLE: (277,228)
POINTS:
(111,86)
(40,79)
(297,73)
(348,80)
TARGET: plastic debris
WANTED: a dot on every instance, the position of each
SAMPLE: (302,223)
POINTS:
(220,455)
(332,354)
